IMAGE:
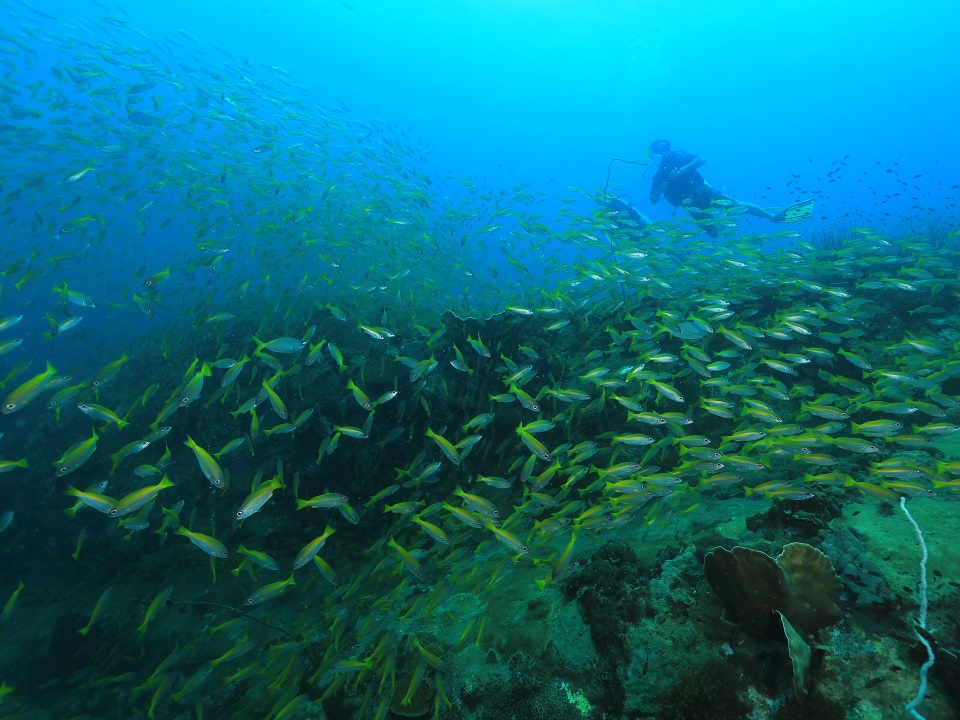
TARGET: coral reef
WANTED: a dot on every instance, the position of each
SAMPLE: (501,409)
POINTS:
(419,701)
(531,692)
(661,650)
(610,590)
(811,707)
(710,691)
(862,579)
(797,521)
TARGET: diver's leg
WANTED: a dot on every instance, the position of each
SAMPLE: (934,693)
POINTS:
(704,221)
(638,217)
(755,210)
(710,195)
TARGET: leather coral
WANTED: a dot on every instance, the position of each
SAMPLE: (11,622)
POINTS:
(801,583)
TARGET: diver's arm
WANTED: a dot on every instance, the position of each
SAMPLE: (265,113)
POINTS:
(697,162)
(657,188)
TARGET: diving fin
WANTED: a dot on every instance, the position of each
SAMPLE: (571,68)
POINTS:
(796,212)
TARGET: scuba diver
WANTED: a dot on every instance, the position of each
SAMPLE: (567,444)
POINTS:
(678,180)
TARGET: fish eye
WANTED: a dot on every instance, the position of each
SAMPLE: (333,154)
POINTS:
(523,548)
(62,470)
(10,406)
(239,513)
(249,601)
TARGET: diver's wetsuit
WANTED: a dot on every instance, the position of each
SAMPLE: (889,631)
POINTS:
(689,190)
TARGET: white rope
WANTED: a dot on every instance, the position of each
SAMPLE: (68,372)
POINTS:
(925,668)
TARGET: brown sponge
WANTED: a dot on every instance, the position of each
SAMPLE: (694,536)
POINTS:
(813,588)
(801,583)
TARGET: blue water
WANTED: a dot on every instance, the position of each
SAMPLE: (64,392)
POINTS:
(413,164)
(550,91)
(537,90)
